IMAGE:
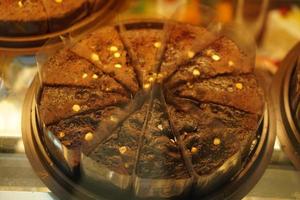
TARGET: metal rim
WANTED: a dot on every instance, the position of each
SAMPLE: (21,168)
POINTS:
(286,130)
(65,188)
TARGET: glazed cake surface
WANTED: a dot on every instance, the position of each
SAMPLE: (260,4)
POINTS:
(161,110)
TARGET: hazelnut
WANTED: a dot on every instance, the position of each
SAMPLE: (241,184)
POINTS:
(123,149)
(76,108)
(118,66)
(85,75)
(117,55)
(95,76)
(191,54)
(196,72)
(157,44)
(215,57)
(89,136)
(239,86)
(95,57)
(113,48)
(194,150)
(217,141)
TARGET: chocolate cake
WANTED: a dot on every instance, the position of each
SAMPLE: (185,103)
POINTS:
(156,110)
(34,17)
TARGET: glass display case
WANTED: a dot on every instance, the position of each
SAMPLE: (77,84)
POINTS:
(269,172)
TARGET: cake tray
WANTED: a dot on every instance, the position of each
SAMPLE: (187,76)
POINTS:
(67,188)
(29,45)
(287,132)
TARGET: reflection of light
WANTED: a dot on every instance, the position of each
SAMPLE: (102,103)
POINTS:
(20,146)
(57,143)
(277,144)
(3,90)
(10,119)
(1,83)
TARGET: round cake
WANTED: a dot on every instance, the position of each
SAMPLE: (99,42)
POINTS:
(157,110)
(33,17)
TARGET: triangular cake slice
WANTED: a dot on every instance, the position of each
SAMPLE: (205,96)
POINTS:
(105,49)
(59,103)
(68,69)
(189,116)
(221,57)
(145,49)
(116,153)
(240,92)
(216,139)
(184,42)
(161,170)
(65,138)
(71,131)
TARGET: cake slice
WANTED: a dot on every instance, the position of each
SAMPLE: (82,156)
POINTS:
(161,170)
(62,12)
(68,69)
(105,49)
(21,18)
(215,157)
(145,48)
(65,138)
(221,57)
(184,42)
(240,92)
(216,138)
(59,103)
(113,160)
(71,131)
(189,116)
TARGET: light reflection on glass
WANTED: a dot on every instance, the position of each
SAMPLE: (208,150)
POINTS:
(10,119)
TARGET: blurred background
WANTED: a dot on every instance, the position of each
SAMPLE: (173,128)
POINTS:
(275,24)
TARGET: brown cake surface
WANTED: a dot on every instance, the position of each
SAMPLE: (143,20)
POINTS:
(122,145)
(181,114)
(160,155)
(144,47)
(209,63)
(67,69)
(239,92)
(183,42)
(71,131)
(58,103)
(104,48)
